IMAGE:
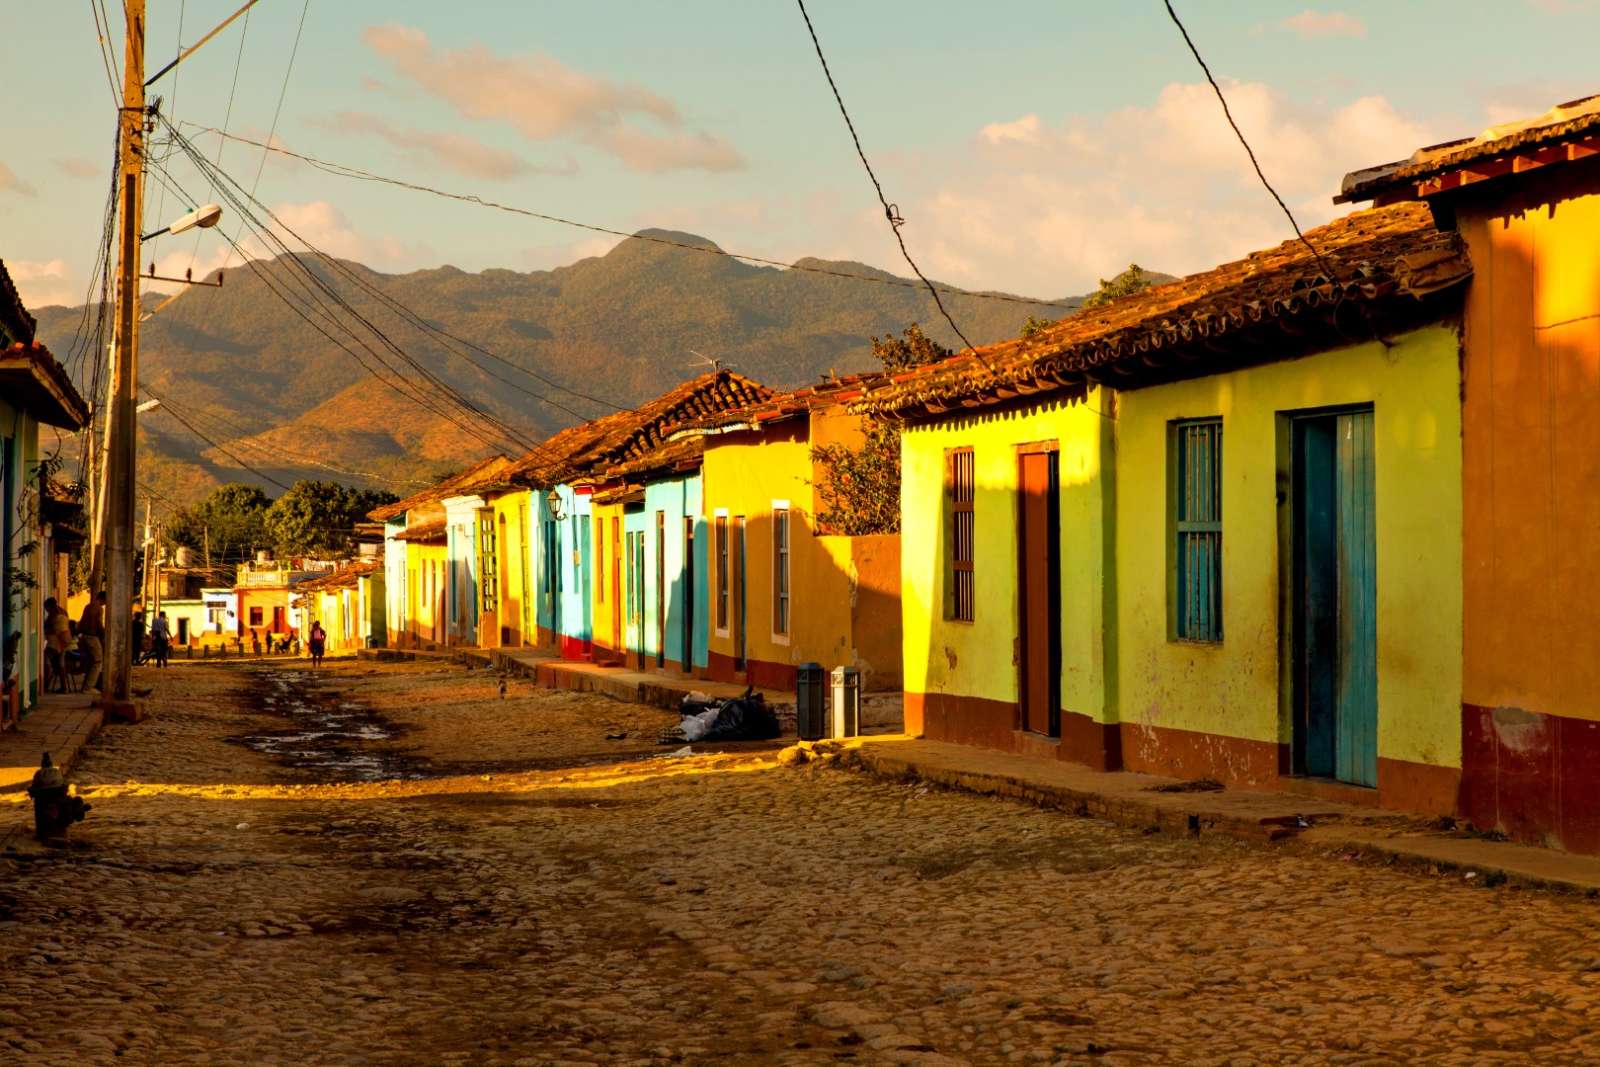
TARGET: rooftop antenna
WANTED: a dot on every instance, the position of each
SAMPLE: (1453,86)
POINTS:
(703,360)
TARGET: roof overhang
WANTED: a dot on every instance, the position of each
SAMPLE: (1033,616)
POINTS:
(32,380)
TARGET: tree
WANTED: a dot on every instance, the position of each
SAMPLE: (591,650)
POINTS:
(912,349)
(1130,281)
(319,518)
(231,519)
(859,489)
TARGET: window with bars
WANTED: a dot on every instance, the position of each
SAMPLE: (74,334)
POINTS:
(488,562)
(961,491)
(1196,453)
(780,571)
(722,571)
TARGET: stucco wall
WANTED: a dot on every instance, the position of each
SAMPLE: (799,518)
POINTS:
(749,474)
(976,659)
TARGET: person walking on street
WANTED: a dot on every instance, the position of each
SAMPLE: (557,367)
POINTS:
(137,638)
(319,641)
(160,639)
(91,640)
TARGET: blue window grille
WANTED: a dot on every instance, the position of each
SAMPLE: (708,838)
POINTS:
(1197,529)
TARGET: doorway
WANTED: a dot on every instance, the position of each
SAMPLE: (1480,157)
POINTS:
(635,631)
(687,582)
(737,551)
(616,585)
(661,589)
(1039,592)
(1335,698)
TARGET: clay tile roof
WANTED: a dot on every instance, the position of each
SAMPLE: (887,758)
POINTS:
(1565,132)
(435,493)
(344,577)
(779,407)
(31,378)
(589,449)
(675,457)
(14,318)
(424,533)
(1386,263)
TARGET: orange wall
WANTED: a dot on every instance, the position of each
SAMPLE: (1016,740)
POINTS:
(1532,445)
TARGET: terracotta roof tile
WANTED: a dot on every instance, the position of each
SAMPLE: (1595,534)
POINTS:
(32,377)
(591,448)
(1564,123)
(1386,260)
(435,493)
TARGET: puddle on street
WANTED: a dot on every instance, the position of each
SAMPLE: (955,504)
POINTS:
(331,737)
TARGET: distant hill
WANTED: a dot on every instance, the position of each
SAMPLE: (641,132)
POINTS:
(269,387)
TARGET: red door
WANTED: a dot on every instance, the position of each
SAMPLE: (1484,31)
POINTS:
(1038,594)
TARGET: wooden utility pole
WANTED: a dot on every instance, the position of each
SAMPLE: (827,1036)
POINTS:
(120,456)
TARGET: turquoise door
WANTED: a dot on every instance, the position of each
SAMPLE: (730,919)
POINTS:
(1335,697)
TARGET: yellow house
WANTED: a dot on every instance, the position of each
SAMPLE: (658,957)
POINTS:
(784,592)
(1211,530)
(427,572)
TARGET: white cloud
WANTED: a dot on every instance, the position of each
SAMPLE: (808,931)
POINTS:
(1047,209)
(543,98)
(77,167)
(453,151)
(1311,24)
(10,183)
(44,282)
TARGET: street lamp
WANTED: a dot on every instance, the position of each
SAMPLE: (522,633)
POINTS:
(203,217)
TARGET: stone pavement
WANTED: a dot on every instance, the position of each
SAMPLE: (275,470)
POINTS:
(1142,801)
(221,905)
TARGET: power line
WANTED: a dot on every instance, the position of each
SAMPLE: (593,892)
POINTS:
(183,7)
(247,440)
(890,214)
(345,171)
(107,58)
(220,448)
(1228,114)
(227,118)
(318,294)
(282,92)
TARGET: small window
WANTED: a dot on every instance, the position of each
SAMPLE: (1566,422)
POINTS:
(488,562)
(780,571)
(961,493)
(722,572)
(1196,453)
(257,616)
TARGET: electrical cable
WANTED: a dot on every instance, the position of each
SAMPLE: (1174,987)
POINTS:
(227,118)
(890,213)
(107,57)
(223,449)
(310,282)
(238,197)
(345,171)
(161,207)
(1228,114)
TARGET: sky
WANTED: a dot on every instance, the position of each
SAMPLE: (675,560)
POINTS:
(1031,146)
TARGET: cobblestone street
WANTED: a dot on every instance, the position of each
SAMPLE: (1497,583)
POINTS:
(398,866)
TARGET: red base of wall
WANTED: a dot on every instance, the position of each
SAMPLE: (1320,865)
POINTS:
(576,648)
(1172,753)
(1531,776)
(759,673)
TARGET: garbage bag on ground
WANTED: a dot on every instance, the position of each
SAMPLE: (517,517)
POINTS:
(743,718)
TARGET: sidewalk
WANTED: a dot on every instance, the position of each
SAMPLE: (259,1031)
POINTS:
(1137,801)
(61,725)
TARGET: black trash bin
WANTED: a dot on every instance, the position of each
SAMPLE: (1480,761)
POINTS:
(810,702)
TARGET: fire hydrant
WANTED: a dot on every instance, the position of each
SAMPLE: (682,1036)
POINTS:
(53,809)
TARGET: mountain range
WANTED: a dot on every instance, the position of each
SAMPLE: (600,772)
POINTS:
(537,351)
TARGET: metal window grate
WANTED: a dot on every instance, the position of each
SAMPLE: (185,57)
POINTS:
(963,495)
(1197,514)
(722,572)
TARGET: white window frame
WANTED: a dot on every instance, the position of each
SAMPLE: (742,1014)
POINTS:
(788,572)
